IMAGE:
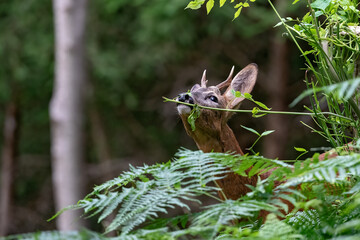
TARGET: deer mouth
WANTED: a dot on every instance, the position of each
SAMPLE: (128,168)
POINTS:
(184,109)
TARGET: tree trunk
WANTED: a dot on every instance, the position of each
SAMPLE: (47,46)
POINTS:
(11,126)
(275,143)
(67,109)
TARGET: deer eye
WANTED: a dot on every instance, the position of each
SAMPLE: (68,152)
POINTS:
(213,98)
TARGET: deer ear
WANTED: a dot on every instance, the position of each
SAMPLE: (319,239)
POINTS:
(243,82)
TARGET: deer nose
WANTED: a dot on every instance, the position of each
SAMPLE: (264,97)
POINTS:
(186,98)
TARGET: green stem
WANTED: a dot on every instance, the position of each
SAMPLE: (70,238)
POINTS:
(315,21)
(221,191)
(354,107)
(252,146)
(259,111)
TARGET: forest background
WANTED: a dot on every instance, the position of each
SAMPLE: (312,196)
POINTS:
(136,52)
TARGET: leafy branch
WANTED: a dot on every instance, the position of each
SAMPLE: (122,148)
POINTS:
(196,4)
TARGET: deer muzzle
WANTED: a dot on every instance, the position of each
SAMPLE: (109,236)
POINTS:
(182,108)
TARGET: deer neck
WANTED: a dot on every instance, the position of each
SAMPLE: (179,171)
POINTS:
(233,185)
(220,141)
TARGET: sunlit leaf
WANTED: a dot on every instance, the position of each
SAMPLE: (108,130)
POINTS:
(262,105)
(300,149)
(321,4)
(237,13)
(248,96)
(196,4)
(222,2)
(238,5)
(267,132)
(209,5)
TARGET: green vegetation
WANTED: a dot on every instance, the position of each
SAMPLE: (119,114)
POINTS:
(331,29)
(325,194)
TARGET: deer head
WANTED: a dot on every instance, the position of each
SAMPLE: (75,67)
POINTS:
(211,130)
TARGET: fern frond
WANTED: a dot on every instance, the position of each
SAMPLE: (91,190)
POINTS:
(125,178)
(56,235)
(230,210)
(154,189)
(276,229)
(258,164)
(309,219)
(343,90)
(331,170)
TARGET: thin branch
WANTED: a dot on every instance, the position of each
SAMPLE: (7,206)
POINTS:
(258,111)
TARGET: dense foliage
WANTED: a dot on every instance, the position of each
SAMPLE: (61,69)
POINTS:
(331,29)
(326,196)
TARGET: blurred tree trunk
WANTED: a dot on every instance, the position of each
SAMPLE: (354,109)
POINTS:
(67,108)
(275,144)
(9,152)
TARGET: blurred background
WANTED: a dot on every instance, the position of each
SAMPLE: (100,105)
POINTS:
(136,51)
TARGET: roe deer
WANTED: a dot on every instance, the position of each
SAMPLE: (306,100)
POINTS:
(211,130)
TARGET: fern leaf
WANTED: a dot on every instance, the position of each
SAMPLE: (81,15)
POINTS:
(276,229)
(128,205)
(56,235)
(331,170)
(229,210)
(125,178)
(343,90)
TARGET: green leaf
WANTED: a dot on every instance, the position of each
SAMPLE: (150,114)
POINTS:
(342,90)
(209,6)
(262,105)
(251,130)
(222,2)
(238,5)
(318,13)
(300,149)
(236,93)
(320,4)
(307,18)
(295,1)
(278,24)
(195,113)
(237,13)
(255,112)
(143,178)
(246,4)
(267,132)
(196,4)
(309,52)
(248,96)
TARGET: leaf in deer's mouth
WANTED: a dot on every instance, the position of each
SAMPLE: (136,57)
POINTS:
(195,113)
